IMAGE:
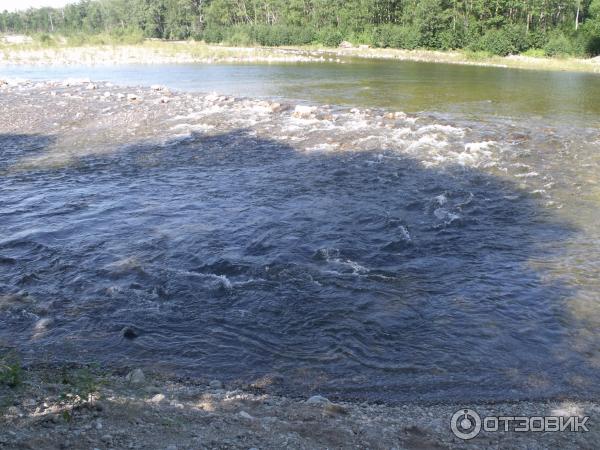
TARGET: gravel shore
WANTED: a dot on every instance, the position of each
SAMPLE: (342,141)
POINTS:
(144,411)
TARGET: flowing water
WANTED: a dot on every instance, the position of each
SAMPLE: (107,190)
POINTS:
(448,253)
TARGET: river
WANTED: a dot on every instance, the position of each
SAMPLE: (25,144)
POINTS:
(449,251)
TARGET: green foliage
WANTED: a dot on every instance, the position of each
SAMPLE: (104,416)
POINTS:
(397,36)
(330,37)
(212,34)
(476,55)
(273,35)
(81,386)
(501,27)
(365,36)
(558,45)
(11,373)
(502,42)
(536,39)
(535,53)
(45,40)
(588,43)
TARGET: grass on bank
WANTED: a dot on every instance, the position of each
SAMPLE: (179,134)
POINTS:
(79,386)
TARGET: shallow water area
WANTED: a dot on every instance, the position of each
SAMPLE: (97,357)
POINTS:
(471,91)
(355,251)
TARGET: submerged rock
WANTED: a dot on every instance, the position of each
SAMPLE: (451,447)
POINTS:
(215,384)
(303,111)
(136,377)
(129,333)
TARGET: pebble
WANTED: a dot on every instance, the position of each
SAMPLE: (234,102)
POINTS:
(276,107)
(106,438)
(136,376)
(245,415)
(107,94)
(29,402)
(303,111)
(333,409)
(157,398)
(171,447)
(132,97)
(317,400)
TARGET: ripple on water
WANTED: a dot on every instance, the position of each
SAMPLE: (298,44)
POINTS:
(392,266)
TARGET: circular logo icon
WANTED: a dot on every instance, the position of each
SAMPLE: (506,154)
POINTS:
(465,424)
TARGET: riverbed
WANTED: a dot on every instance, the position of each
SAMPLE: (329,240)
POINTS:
(305,231)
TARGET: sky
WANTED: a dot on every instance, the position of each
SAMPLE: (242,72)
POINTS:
(13,5)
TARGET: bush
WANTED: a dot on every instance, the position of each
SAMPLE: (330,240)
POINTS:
(396,36)
(451,39)
(267,35)
(592,47)
(495,42)
(365,36)
(212,35)
(503,42)
(129,36)
(330,37)
(536,39)
(535,53)
(558,45)
(588,41)
(10,370)
(45,40)
(240,38)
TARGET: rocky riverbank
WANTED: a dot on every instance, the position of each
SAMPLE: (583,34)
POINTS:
(84,408)
(153,52)
(186,52)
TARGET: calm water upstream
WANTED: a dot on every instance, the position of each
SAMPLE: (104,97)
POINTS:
(406,86)
(451,253)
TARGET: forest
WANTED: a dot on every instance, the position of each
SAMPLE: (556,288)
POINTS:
(500,27)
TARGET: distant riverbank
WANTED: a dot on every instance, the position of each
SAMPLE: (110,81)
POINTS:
(163,52)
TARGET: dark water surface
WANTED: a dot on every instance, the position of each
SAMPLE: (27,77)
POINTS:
(429,260)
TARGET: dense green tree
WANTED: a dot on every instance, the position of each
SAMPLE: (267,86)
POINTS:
(499,26)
